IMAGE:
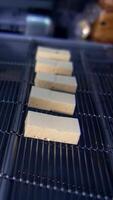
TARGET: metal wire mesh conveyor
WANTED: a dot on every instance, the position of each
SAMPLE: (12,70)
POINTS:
(30,168)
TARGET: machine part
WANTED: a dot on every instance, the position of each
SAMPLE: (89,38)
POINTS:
(38,25)
(83,29)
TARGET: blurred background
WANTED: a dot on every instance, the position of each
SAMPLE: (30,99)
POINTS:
(89,20)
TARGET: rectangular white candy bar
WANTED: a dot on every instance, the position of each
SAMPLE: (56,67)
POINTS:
(56,82)
(53,128)
(54,67)
(51,53)
(52,101)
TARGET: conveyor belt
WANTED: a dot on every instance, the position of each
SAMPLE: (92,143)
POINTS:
(31,168)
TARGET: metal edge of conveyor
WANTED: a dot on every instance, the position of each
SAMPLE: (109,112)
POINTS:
(61,42)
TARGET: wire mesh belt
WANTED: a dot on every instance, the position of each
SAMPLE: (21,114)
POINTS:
(34,169)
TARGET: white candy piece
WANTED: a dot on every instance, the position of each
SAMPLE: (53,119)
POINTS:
(54,67)
(56,82)
(52,101)
(51,53)
(53,128)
